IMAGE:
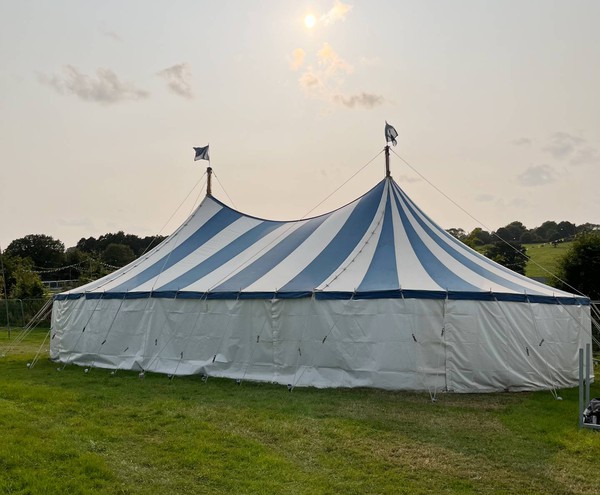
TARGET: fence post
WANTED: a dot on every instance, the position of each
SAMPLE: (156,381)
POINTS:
(5,291)
(7,316)
(581,404)
(22,313)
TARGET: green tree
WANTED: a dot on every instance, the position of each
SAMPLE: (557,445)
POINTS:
(137,244)
(511,255)
(580,266)
(21,281)
(44,251)
(530,237)
(118,254)
(28,284)
(587,227)
(511,232)
(478,237)
(459,233)
(547,231)
(566,230)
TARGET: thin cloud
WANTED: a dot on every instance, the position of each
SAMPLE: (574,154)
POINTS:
(512,203)
(326,81)
(362,99)
(179,79)
(519,203)
(563,145)
(332,62)
(522,142)
(572,148)
(109,33)
(370,62)
(337,13)
(106,88)
(585,156)
(485,198)
(76,222)
(407,179)
(537,176)
(298,56)
(310,81)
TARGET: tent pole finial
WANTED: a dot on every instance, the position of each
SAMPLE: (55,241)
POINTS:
(387,161)
(209,181)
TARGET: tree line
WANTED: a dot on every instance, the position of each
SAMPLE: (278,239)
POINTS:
(549,231)
(35,258)
(579,267)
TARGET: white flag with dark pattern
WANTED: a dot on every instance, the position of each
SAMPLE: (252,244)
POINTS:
(390,134)
(201,154)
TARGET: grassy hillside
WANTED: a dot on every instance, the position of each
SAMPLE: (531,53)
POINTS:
(544,258)
(69,432)
(545,255)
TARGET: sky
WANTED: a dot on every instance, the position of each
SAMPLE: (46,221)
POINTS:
(496,104)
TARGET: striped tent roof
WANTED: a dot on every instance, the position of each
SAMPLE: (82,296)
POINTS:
(380,245)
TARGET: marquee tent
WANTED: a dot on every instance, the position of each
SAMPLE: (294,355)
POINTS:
(372,294)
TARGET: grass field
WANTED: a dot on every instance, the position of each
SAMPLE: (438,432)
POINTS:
(67,432)
(544,256)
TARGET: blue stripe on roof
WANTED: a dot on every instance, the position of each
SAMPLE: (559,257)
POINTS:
(478,255)
(382,273)
(458,253)
(213,226)
(271,258)
(440,274)
(222,256)
(340,247)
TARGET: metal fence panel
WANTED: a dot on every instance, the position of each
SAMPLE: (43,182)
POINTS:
(20,312)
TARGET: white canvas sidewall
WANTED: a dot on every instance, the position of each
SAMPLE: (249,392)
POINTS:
(399,344)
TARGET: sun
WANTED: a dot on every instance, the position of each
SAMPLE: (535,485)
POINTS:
(310,21)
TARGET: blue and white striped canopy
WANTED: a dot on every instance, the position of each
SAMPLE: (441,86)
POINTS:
(379,246)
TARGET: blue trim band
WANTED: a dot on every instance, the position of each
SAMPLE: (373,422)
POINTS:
(341,295)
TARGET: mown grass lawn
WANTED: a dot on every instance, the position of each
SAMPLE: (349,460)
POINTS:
(69,432)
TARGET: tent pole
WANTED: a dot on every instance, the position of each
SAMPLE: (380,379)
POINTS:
(209,181)
(387,161)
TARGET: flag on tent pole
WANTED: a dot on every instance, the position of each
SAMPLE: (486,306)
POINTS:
(390,134)
(201,153)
